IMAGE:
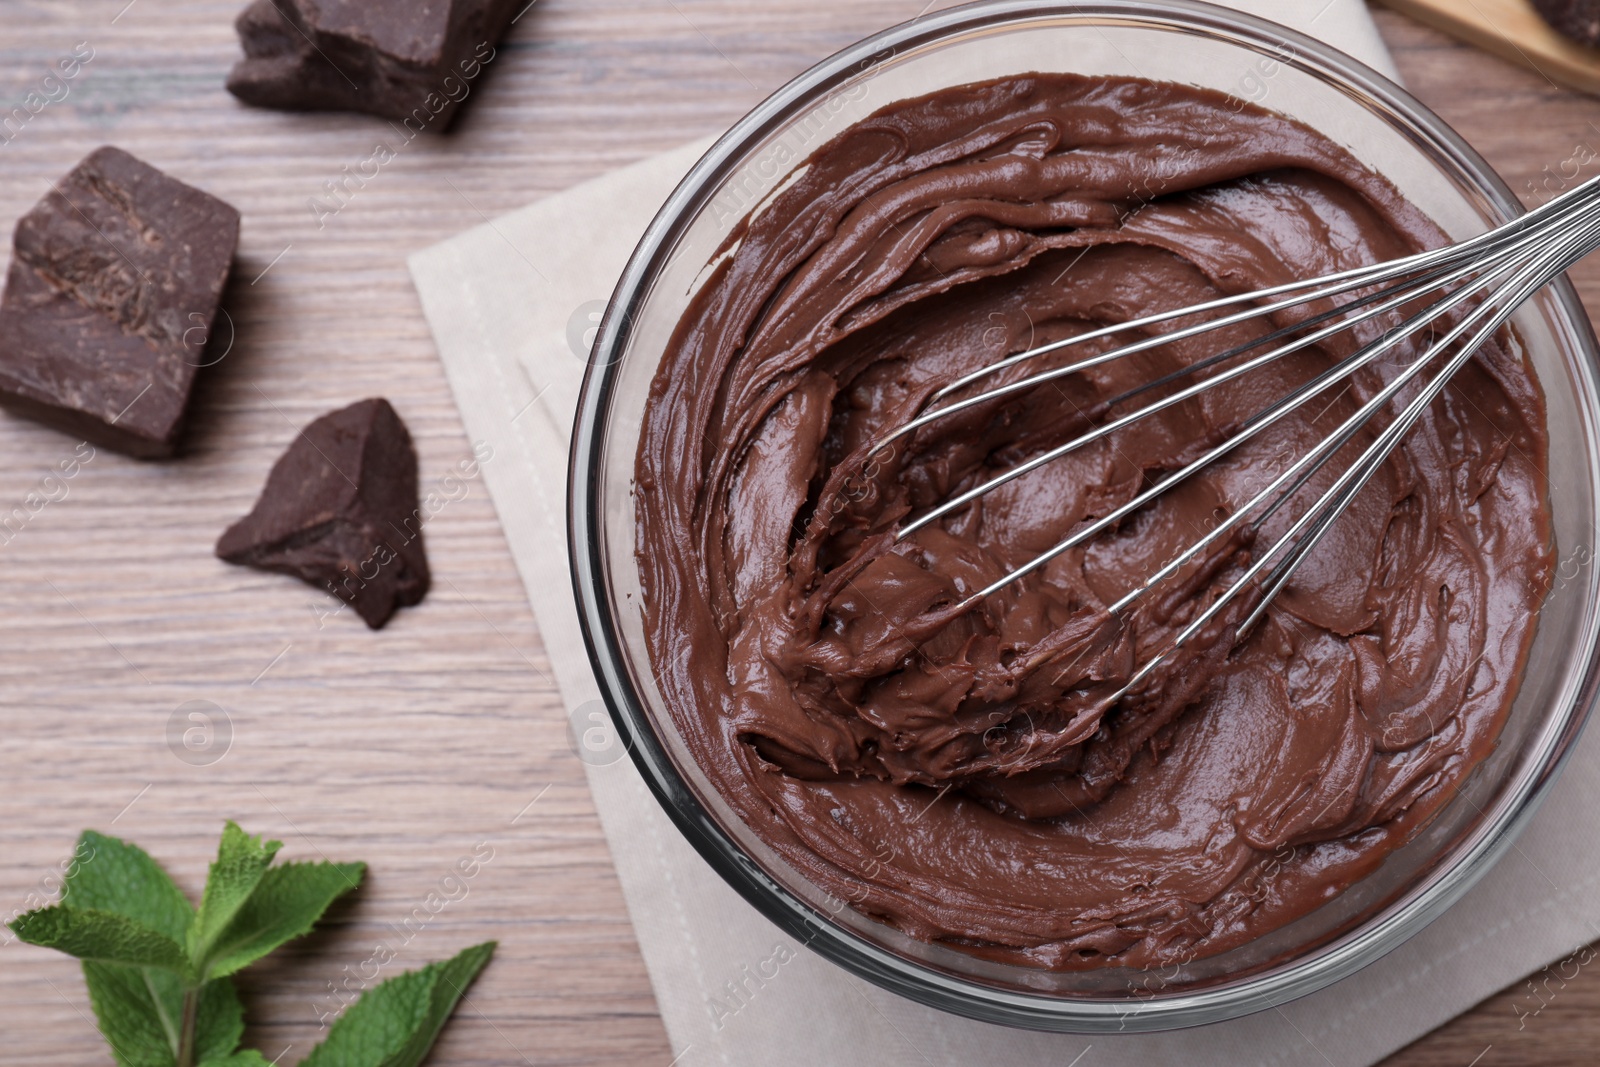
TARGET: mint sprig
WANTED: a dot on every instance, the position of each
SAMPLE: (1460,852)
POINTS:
(158,969)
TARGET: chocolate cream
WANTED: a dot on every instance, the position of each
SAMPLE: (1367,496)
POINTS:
(956,773)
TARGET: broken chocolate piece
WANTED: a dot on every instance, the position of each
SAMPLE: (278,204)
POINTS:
(115,279)
(1575,19)
(340,511)
(414,61)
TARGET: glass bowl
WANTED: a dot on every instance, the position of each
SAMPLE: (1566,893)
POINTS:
(1174,41)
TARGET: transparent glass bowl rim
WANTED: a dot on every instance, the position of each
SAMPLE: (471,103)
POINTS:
(1322,966)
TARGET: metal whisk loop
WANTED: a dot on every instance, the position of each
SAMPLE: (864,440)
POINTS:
(1499,269)
(1306,466)
(1573,247)
(1321,516)
(1406,294)
(1325,286)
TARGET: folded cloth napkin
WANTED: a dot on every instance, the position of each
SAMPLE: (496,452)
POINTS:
(511,304)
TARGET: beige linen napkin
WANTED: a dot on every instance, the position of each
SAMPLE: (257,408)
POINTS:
(510,304)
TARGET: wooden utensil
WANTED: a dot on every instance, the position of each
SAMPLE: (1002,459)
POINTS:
(1514,30)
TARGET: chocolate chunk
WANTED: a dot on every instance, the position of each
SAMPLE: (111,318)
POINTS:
(1577,19)
(340,511)
(115,279)
(410,60)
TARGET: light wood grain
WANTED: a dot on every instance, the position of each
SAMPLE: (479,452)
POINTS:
(1513,29)
(408,747)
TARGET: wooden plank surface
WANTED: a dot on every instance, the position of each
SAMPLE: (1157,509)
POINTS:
(417,746)
(1511,29)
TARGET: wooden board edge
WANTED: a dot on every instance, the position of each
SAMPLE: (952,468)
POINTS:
(1528,41)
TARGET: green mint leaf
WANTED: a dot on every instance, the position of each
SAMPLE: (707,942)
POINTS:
(395,1023)
(241,863)
(111,875)
(286,904)
(101,936)
(140,1011)
(243,1058)
(219,1024)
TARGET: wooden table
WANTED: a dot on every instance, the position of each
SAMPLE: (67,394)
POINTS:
(441,735)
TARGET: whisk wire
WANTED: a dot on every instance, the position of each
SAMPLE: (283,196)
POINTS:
(1408,293)
(1324,286)
(1303,469)
(1538,276)
(1318,519)
(1501,269)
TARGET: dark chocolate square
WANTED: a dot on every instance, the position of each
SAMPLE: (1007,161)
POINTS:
(115,280)
(415,61)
